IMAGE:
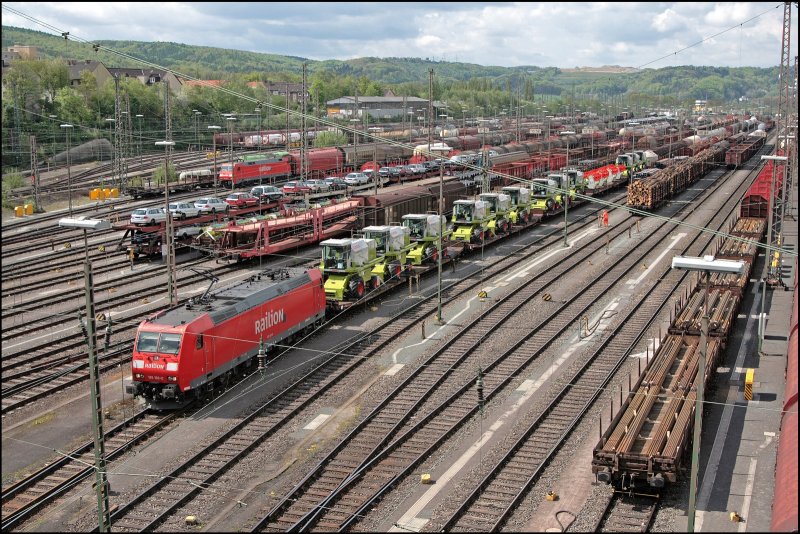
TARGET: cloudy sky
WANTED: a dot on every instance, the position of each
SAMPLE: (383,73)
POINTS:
(506,33)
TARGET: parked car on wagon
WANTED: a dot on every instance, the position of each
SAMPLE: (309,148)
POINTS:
(296,187)
(267,193)
(212,205)
(336,183)
(356,178)
(182,210)
(242,200)
(148,216)
(318,186)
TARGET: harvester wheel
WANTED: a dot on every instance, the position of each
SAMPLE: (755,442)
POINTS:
(374,282)
(356,287)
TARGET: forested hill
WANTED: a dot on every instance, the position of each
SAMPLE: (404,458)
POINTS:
(209,63)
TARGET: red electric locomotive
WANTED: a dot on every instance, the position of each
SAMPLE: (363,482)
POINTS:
(267,168)
(184,352)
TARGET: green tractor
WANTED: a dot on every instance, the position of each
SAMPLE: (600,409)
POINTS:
(545,197)
(499,207)
(520,212)
(393,243)
(424,233)
(347,266)
(471,221)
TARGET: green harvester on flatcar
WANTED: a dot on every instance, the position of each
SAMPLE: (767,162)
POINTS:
(393,244)
(520,212)
(347,266)
(471,221)
(424,230)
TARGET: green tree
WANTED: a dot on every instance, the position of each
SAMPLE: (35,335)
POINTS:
(325,139)
(71,106)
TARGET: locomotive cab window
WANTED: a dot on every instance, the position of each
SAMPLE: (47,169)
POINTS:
(163,343)
(148,342)
(169,343)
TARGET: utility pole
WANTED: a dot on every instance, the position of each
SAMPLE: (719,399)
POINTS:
(778,198)
(214,130)
(101,486)
(118,137)
(303,125)
(168,143)
(288,133)
(430,111)
(35,176)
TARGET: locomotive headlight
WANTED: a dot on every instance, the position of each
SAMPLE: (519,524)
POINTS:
(138,375)
(172,379)
(172,366)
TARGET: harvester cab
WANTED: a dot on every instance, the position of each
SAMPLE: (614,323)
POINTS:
(520,204)
(629,162)
(393,243)
(347,267)
(471,221)
(499,205)
(577,184)
(424,230)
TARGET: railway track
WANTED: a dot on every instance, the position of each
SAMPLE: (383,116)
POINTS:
(387,464)
(155,504)
(628,513)
(436,415)
(31,371)
(29,495)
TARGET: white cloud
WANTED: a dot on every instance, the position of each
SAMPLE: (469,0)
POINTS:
(542,34)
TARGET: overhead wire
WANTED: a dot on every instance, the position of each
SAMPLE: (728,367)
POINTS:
(767,247)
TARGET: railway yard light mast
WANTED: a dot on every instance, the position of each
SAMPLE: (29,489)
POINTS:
(101,488)
(769,254)
(196,126)
(139,144)
(230,120)
(214,129)
(168,237)
(67,128)
(707,265)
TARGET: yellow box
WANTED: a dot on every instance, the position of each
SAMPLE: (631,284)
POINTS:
(18,211)
(114,192)
(28,209)
(107,192)
(425,479)
(94,194)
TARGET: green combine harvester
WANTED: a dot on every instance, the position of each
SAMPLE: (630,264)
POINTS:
(424,233)
(520,212)
(499,205)
(545,197)
(393,244)
(471,220)
(347,266)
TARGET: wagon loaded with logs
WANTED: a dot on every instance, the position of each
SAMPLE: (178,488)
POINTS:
(649,190)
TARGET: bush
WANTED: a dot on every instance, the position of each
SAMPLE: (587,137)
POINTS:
(11,181)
